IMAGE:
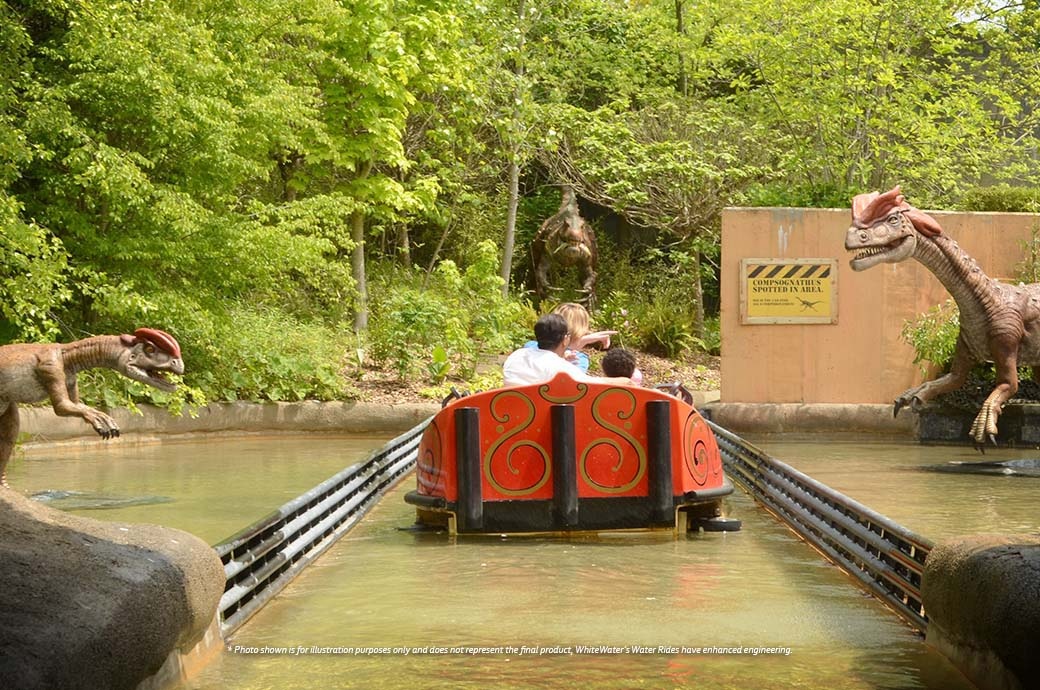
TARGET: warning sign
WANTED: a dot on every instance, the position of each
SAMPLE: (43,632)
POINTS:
(788,291)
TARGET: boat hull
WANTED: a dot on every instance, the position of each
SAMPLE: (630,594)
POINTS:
(568,456)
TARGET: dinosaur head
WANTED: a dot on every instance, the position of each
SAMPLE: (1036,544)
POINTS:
(150,355)
(573,247)
(886,229)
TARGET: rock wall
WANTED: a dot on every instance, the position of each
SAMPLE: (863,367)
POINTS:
(982,597)
(89,604)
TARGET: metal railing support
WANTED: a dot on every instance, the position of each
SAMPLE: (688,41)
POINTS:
(263,558)
(885,557)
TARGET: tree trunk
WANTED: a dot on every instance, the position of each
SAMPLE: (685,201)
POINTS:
(357,269)
(357,256)
(680,28)
(404,250)
(436,253)
(510,239)
(514,159)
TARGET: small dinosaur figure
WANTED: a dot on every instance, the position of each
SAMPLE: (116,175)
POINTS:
(33,372)
(565,239)
(808,305)
(999,323)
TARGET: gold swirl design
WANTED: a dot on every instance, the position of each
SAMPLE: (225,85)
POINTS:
(636,446)
(695,453)
(502,418)
(543,390)
(429,475)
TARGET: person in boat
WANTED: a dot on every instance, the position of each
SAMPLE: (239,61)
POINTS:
(577,318)
(621,362)
(539,364)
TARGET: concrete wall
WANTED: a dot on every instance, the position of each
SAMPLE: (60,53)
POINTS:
(861,358)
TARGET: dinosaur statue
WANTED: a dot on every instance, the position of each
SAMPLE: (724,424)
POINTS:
(33,372)
(565,239)
(999,323)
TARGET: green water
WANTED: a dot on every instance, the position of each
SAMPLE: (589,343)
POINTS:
(889,479)
(211,488)
(423,604)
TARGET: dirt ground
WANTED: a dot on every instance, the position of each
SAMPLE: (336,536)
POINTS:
(697,371)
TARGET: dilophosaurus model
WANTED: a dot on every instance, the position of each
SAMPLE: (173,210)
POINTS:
(565,239)
(999,323)
(33,372)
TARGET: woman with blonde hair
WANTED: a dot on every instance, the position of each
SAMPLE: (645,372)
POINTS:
(578,334)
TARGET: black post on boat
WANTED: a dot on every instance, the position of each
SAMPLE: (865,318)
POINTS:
(659,447)
(467,469)
(564,466)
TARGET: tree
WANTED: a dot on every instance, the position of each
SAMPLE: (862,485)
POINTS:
(863,95)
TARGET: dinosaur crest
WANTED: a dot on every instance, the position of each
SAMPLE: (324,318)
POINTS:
(872,208)
(161,340)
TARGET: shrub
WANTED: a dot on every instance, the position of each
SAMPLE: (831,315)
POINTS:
(1001,198)
(243,352)
(451,323)
(933,335)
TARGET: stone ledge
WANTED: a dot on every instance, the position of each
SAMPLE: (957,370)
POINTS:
(806,418)
(1018,426)
(41,425)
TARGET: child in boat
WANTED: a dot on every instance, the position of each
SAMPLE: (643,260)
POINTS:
(577,318)
(621,362)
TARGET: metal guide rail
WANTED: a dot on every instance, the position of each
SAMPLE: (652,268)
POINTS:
(885,557)
(263,558)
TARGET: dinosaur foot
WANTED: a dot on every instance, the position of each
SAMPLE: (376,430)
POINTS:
(907,399)
(984,429)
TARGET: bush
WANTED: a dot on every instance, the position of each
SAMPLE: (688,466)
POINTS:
(449,325)
(1001,198)
(933,335)
(243,352)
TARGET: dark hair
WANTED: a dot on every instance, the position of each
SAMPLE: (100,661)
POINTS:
(549,331)
(618,362)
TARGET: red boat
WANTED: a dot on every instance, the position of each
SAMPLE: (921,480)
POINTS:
(569,456)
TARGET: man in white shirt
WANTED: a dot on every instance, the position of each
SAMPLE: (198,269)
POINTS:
(537,365)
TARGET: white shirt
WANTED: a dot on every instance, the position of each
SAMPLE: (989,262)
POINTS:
(532,365)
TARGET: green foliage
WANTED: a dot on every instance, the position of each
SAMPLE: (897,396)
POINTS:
(784,194)
(33,277)
(933,335)
(663,328)
(460,314)
(409,324)
(106,388)
(1028,270)
(712,340)
(651,305)
(439,365)
(198,166)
